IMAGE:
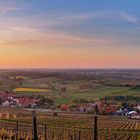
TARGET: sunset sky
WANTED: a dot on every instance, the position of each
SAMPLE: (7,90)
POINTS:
(69,34)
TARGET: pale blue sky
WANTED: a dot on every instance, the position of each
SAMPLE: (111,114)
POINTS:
(94,25)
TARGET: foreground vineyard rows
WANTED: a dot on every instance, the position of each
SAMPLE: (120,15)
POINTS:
(107,130)
(116,125)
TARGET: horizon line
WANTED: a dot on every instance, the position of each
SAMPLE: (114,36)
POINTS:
(75,68)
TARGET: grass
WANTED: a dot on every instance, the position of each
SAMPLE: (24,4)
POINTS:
(69,96)
(133,91)
(136,89)
(38,86)
(94,94)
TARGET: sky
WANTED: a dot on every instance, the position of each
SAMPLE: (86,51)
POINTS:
(69,34)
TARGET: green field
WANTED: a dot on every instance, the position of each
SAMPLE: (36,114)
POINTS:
(66,86)
(92,94)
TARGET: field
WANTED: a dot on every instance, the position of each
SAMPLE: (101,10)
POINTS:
(65,86)
(72,127)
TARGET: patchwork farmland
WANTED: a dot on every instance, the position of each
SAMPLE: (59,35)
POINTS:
(64,95)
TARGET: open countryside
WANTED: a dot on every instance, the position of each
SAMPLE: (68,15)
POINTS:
(69,100)
(69,70)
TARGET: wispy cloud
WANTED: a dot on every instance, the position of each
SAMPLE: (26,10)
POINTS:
(39,30)
(6,9)
(25,36)
(112,15)
(126,17)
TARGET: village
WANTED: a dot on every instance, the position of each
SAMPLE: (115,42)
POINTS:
(101,107)
(13,100)
(107,108)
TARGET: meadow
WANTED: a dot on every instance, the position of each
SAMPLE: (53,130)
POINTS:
(71,95)
(65,86)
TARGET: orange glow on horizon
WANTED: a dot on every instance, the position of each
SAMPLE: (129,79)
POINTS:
(68,58)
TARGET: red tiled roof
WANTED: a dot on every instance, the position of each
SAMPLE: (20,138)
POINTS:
(26,101)
(110,109)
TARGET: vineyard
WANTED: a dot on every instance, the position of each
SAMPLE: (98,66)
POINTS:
(108,129)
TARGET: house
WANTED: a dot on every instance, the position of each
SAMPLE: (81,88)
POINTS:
(135,116)
(111,109)
(6,103)
(131,113)
(26,102)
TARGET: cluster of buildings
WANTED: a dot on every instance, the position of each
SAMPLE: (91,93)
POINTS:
(105,108)
(13,100)
(100,107)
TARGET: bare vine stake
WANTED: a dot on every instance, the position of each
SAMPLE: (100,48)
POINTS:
(45,132)
(17,126)
(95,128)
(35,125)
